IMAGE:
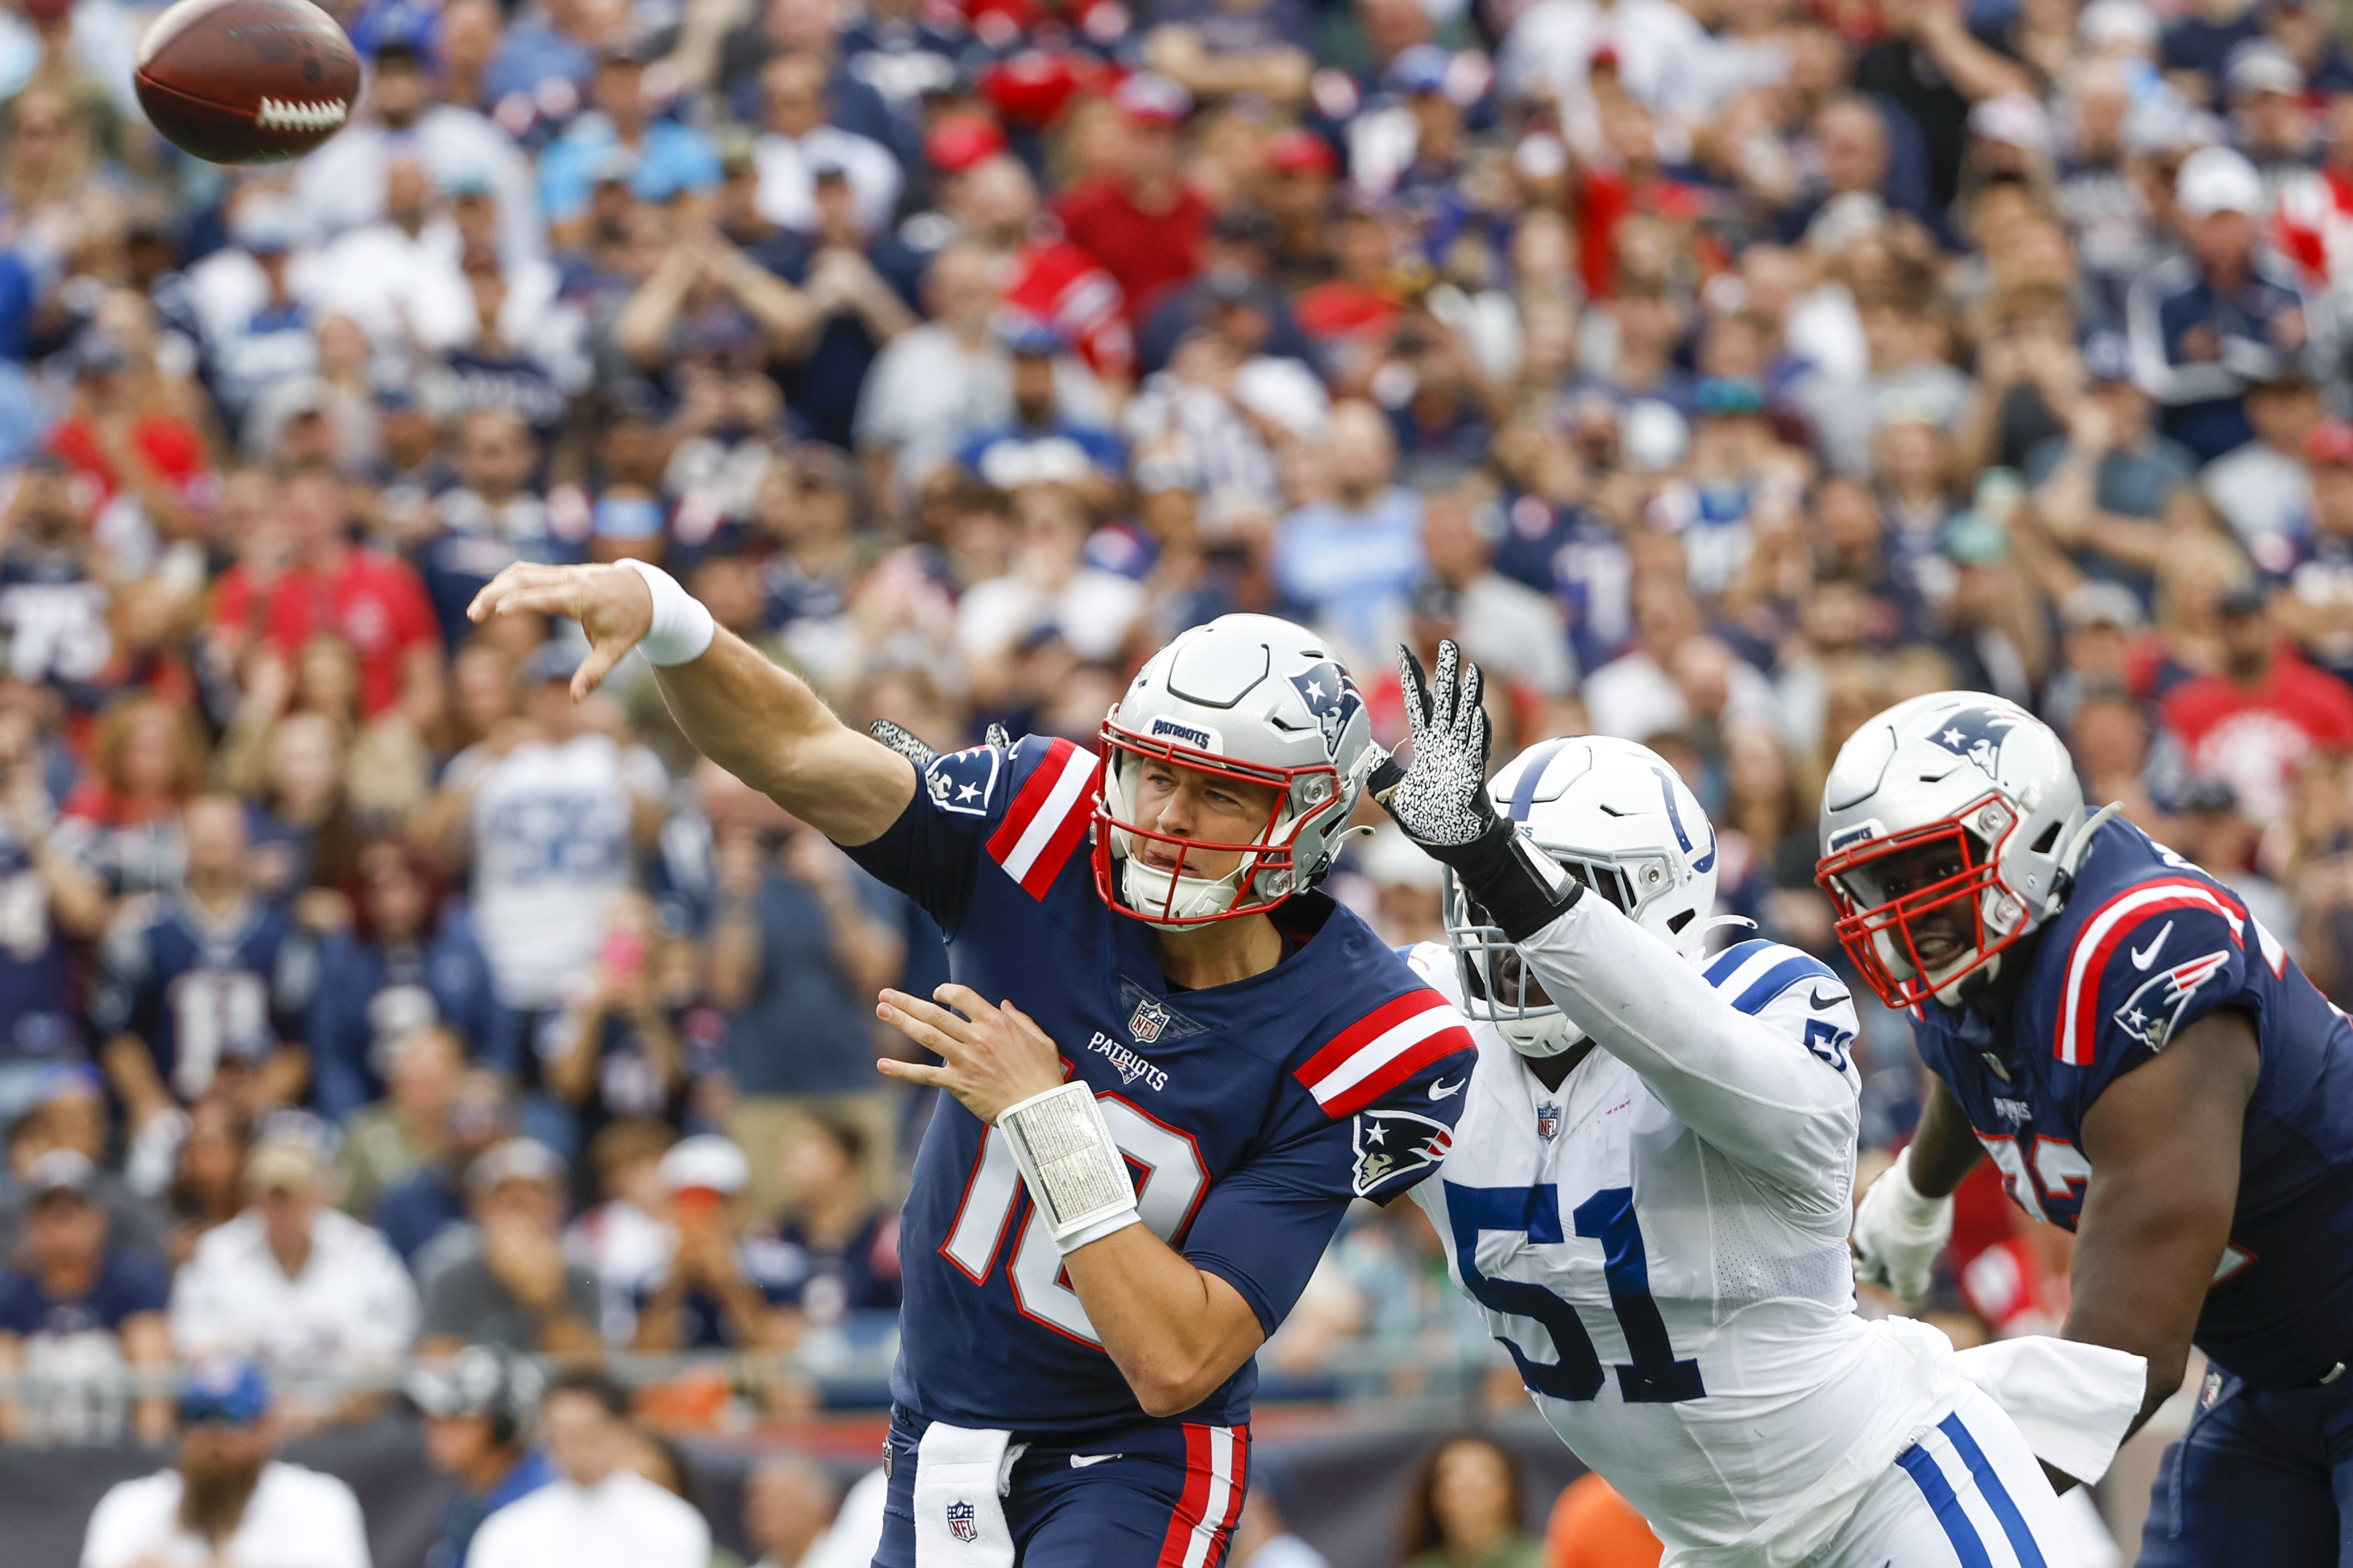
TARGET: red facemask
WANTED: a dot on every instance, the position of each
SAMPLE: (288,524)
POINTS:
(1862,925)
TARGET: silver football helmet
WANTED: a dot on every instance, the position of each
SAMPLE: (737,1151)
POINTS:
(1959,800)
(1616,818)
(1255,700)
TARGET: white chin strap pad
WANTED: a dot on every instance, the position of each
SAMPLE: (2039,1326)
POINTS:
(1541,1036)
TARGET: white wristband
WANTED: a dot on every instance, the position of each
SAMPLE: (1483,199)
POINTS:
(683,627)
(1914,1208)
(1075,1173)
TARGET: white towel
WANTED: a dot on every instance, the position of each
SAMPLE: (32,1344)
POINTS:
(962,1474)
(2071,1401)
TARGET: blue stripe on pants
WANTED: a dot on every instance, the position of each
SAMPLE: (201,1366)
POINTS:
(1939,1493)
(2013,1523)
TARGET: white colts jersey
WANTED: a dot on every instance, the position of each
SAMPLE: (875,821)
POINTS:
(1661,1243)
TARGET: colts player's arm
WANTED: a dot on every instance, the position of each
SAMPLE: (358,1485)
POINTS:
(760,722)
(1175,1331)
(2163,1143)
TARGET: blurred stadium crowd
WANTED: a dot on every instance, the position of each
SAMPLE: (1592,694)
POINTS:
(1718,370)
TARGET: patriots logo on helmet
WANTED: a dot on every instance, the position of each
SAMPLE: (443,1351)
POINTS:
(1977,734)
(962,1521)
(2150,1013)
(1332,700)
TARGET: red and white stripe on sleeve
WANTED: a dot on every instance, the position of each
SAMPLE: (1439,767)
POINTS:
(1047,818)
(2096,941)
(1381,1050)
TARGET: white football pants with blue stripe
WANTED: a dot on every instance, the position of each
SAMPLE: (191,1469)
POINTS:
(1968,1494)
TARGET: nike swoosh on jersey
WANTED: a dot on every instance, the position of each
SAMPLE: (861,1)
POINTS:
(2145,956)
(1080,1461)
(1444,1090)
(1818,1000)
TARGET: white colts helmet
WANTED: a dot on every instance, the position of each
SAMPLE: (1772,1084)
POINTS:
(1616,818)
(1248,698)
(1973,775)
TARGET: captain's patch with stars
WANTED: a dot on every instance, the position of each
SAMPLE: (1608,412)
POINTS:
(963,781)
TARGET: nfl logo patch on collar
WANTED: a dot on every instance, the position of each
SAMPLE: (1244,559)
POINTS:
(1150,1017)
(1547,1121)
(961,1521)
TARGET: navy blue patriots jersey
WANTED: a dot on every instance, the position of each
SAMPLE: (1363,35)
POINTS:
(2146,945)
(1251,1113)
(197,991)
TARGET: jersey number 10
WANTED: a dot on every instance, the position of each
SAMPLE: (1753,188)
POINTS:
(1656,1376)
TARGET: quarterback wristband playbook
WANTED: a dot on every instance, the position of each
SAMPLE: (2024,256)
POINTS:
(1076,1175)
(683,627)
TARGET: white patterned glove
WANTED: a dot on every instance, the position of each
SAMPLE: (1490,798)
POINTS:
(1441,801)
(917,750)
(1898,1233)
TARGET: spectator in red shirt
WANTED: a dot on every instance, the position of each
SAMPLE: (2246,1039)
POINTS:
(2251,723)
(121,433)
(330,585)
(1145,223)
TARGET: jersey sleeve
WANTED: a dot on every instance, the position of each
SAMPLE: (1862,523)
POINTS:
(1020,811)
(1377,1116)
(1727,1050)
(2148,963)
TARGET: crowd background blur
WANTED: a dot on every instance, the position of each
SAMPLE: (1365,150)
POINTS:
(1718,370)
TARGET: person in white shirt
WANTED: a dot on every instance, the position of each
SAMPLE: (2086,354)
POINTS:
(292,1283)
(600,1513)
(227,1498)
(798,147)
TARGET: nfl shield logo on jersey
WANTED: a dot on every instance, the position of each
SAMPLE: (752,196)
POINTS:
(1547,1121)
(1143,1026)
(961,1522)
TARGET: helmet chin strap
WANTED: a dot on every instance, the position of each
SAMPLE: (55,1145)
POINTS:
(1148,888)
(1542,1036)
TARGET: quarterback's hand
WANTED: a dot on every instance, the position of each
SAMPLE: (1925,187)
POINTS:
(612,604)
(991,1057)
(1898,1233)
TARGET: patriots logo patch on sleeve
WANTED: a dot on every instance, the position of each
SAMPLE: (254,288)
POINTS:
(2153,1011)
(962,782)
(1392,1143)
(1976,733)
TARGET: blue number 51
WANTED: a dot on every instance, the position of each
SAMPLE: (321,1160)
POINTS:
(1656,1376)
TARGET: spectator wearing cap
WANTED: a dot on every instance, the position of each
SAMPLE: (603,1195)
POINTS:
(69,1111)
(409,960)
(2099,487)
(292,1283)
(1735,480)
(476,1413)
(1348,561)
(226,1496)
(492,518)
(669,156)
(76,1309)
(1232,295)
(504,1281)
(2273,126)
(1146,222)
(2099,625)
(599,1512)
(552,811)
(723,1287)
(2309,566)
(798,148)
(2264,487)
(2253,723)
(1038,446)
(215,941)
(2225,313)
(1295,190)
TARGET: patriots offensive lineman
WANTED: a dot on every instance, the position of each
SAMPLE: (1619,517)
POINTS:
(1657,1228)
(1097,1240)
(2148,1068)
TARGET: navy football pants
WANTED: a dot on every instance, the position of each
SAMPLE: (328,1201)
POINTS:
(2262,1476)
(1167,1500)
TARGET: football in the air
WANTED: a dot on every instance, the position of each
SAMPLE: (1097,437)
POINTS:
(247,82)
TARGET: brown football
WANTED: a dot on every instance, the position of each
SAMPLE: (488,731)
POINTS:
(247,82)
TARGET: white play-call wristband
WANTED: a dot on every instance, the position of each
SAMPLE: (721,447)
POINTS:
(1075,1173)
(683,627)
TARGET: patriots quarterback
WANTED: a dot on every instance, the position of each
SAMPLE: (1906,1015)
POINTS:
(2147,1067)
(1173,1063)
(1648,1190)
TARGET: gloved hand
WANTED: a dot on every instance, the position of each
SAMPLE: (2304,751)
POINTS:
(1898,1233)
(918,751)
(1440,799)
